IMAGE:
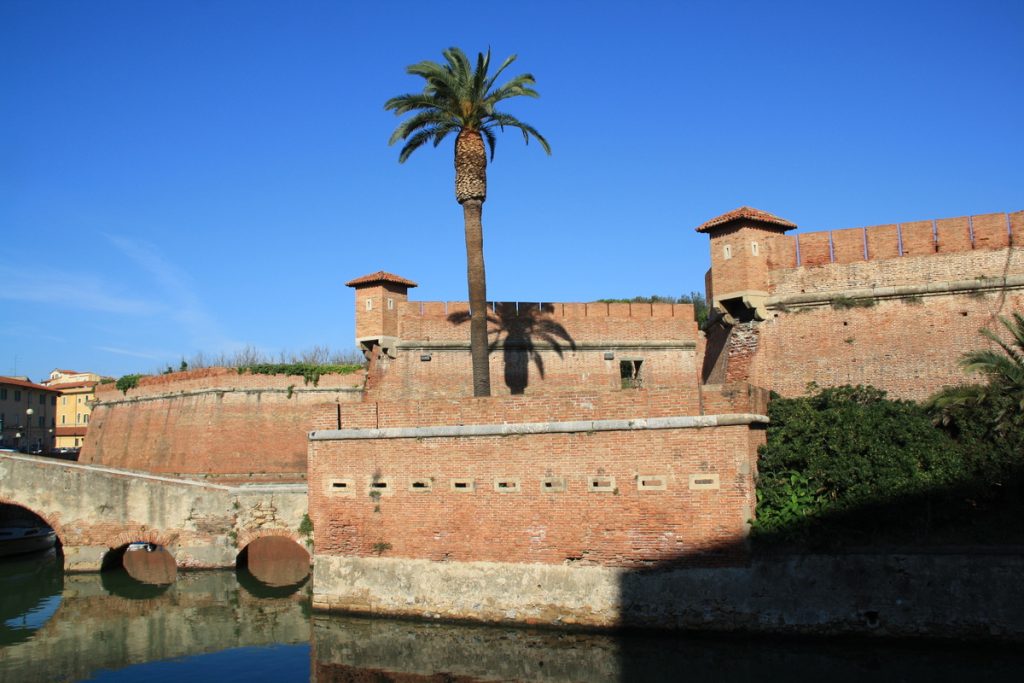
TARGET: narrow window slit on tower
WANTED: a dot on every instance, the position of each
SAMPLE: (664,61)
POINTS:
(629,373)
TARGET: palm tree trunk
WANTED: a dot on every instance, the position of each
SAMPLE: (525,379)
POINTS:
(472,212)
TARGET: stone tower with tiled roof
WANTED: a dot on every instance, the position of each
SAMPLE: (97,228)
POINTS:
(379,299)
(741,241)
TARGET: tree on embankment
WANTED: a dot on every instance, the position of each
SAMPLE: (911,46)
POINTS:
(461,99)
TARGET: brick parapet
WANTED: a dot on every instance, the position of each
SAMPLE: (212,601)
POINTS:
(213,422)
(223,379)
(564,323)
(570,406)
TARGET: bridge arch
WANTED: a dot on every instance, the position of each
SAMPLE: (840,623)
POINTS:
(95,509)
(275,557)
(50,519)
(247,537)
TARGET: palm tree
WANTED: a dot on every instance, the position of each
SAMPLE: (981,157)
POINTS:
(1004,392)
(458,98)
(1004,371)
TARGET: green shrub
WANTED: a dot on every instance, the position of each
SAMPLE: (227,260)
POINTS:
(128,382)
(310,372)
(842,450)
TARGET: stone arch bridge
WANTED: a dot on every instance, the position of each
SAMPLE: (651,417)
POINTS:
(97,509)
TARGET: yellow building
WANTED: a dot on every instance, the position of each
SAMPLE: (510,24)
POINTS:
(77,393)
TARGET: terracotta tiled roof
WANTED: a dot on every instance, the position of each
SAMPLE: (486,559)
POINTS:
(11,381)
(380,276)
(71,431)
(748,213)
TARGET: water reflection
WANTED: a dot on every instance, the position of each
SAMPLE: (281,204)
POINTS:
(110,621)
(150,564)
(30,593)
(222,626)
(350,649)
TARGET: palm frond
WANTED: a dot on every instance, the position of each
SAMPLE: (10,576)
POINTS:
(491,139)
(460,95)
(411,102)
(504,65)
(480,74)
(507,120)
(442,131)
(421,120)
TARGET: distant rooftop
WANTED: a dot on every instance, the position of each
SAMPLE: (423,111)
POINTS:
(745,213)
(14,381)
(70,385)
(380,276)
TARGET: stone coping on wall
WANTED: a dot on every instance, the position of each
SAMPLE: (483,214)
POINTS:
(602,345)
(978,285)
(573,426)
(245,488)
(230,390)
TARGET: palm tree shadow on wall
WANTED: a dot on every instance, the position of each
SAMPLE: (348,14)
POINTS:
(518,329)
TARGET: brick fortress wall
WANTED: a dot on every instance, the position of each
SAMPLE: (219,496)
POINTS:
(539,348)
(213,422)
(618,524)
(892,305)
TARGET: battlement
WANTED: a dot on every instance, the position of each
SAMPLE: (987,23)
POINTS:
(881,242)
(597,309)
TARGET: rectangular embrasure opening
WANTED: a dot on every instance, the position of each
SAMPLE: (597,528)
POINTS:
(463,485)
(552,484)
(601,484)
(653,482)
(421,485)
(379,487)
(506,485)
(335,486)
(704,481)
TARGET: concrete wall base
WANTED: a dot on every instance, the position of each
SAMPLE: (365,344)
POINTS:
(83,558)
(943,596)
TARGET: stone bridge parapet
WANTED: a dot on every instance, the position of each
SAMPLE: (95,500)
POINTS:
(96,509)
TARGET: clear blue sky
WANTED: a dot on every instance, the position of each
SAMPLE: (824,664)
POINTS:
(197,176)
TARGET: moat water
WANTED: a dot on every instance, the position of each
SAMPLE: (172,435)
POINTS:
(227,626)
